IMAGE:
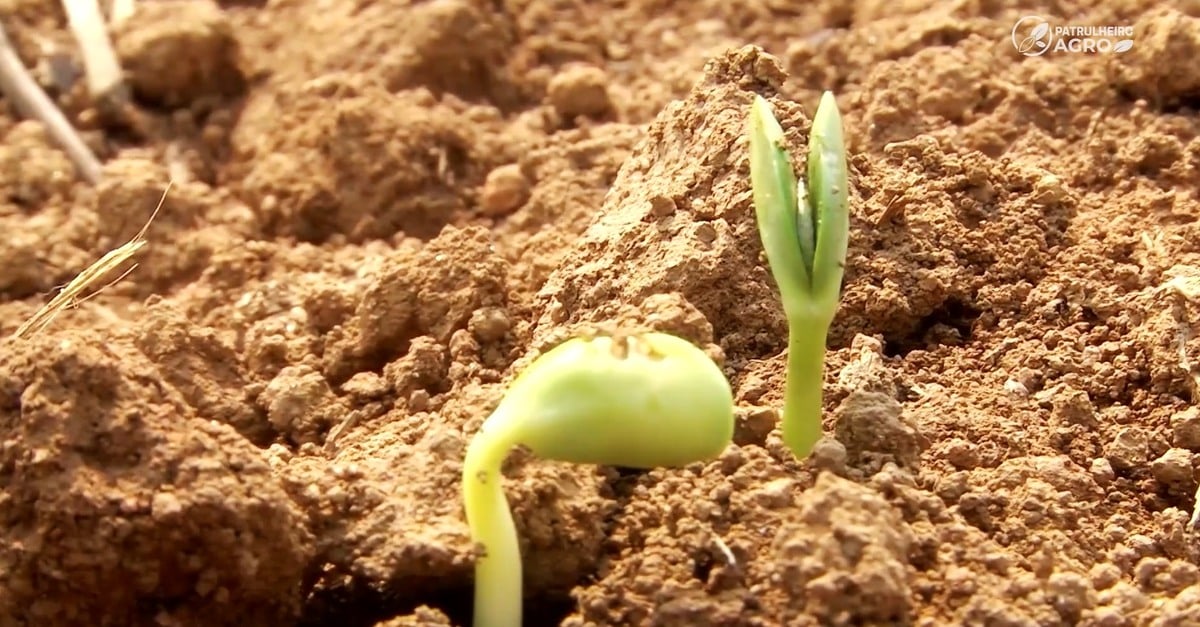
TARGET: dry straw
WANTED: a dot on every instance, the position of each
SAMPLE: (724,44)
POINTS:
(69,296)
(27,97)
(105,80)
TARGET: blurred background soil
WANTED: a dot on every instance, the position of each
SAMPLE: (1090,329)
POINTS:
(381,209)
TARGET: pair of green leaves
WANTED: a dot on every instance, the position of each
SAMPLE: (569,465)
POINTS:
(804,228)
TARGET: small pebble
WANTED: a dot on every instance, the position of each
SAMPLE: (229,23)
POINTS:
(418,401)
(752,426)
(1104,576)
(1048,190)
(1130,449)
(830,454)
(489,324)
(1173,468)
(579,91)
(1102,472)
(365,385)
(775,494)
(1185,427)
(1016,388)
(961,454)
(1073,407)
(504,190)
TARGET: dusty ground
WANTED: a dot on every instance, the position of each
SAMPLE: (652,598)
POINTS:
(382,209)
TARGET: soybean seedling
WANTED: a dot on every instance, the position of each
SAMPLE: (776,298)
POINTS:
(638,401)
(805,231)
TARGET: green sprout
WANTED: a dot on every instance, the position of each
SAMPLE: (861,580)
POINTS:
(636,401)
(805,233)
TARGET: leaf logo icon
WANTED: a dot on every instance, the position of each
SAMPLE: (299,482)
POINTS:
(1123,46)
(1028,43)
(1037,42)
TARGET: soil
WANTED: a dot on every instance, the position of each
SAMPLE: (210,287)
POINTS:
(381,210)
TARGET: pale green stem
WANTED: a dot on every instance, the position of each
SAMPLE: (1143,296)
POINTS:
(498,573)
(803,396)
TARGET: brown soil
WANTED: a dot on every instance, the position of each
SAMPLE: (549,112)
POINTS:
(381,210)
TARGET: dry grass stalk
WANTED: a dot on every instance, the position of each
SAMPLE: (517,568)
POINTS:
(69,296)
(30,101)
(120,10)
(104,76)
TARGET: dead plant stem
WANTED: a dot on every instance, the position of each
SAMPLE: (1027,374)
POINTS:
(30,101)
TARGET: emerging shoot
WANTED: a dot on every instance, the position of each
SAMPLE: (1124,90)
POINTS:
(805,231)
(640,401)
